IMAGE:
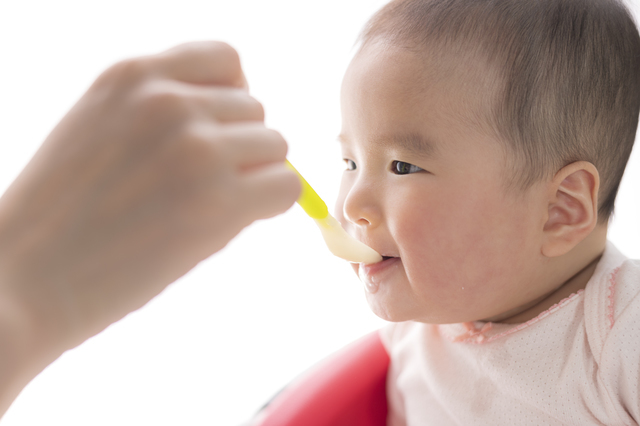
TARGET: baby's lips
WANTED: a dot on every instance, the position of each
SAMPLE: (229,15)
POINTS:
(382,260)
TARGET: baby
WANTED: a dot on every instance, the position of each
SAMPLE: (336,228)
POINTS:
(484,143)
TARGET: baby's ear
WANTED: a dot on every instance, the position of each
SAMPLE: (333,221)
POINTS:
(573,208)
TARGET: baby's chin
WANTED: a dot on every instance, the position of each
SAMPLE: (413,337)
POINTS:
(384,311)
(386,298)
(399,306)
(391,296)
(393,313)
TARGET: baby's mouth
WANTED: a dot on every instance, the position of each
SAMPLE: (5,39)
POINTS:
(373,274)
(384,258)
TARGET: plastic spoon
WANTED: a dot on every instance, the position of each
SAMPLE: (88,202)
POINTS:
(338,241)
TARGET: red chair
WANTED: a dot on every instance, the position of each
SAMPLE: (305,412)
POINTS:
(346,389)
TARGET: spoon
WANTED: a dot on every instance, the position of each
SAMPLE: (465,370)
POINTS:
(338,241)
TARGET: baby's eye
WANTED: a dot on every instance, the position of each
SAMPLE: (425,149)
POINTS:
(402,168)
(351,165)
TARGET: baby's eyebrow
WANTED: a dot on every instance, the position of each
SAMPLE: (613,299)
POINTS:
(416,143)
(412,142)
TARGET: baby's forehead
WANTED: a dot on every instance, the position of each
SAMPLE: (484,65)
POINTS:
(434,64)
(407,90)
(466,77)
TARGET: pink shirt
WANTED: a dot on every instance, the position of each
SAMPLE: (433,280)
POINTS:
(577,363)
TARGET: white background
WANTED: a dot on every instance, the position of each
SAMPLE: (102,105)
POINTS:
(220,341)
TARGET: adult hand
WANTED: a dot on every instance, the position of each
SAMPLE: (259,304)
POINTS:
(161,163)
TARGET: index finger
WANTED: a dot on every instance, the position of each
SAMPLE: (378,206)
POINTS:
(204,62)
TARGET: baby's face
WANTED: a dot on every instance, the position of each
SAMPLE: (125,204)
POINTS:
(425,186)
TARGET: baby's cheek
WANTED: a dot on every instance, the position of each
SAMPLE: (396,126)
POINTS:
(454,248)
(428,252)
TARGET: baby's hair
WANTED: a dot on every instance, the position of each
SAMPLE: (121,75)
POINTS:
(568,85)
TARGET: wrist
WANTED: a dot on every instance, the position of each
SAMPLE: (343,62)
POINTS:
(18,354)
(25,347)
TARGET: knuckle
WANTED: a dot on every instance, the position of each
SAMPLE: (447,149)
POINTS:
(214,54)
(161,102)
(223,51)
(125,72)
(200,144)
(236,105)
(222,55)
(216,51)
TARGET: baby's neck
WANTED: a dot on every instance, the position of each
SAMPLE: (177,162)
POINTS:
(571,272)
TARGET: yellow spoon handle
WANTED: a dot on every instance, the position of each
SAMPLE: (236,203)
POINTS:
(309,200)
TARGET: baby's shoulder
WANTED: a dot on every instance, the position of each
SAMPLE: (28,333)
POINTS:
(624,291)
(612,320)
(612,298)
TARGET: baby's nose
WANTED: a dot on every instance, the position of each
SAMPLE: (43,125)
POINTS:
(361,205)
